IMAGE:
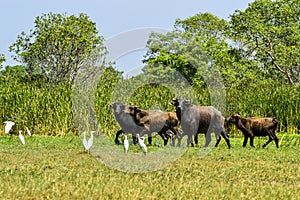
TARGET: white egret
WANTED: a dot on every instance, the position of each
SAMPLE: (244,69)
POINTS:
(84,141)
(21,137)
(87,144)
(142,144)
(126,144)
(28,131)
(8,126)
(90,141)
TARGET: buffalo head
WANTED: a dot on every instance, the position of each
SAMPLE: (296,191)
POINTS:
(234,118)
(179,103)
(118,107)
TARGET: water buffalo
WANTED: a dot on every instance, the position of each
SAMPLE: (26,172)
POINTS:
(251,127)
(126,122)
(160,122)
(200,119)
(129,125)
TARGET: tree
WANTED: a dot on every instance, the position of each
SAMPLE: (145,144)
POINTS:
(200,41)
(13,72)
(2,59)
(180,50)
(57,46)
(269,32)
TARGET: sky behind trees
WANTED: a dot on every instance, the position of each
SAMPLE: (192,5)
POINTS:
(112,17)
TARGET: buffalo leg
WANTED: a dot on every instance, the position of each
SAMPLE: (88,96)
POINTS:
(252,141)
(207,139)
(150,139)
(165,142)
(189,141)
(169,135)
(272,136)
(117,137)
(181,133)
(164,136)
(173,135)
(270,140)
(135,139)
(173,139)
(178,141)
(218,139)
(196,138)
(245,140)
(226,137)
(276,141)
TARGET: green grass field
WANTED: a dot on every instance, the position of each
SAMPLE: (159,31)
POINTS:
(49,167)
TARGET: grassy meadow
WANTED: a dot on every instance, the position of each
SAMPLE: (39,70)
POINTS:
(248,65)
(49,167)
(53,164)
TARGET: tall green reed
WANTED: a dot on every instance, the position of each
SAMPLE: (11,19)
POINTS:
(47,109)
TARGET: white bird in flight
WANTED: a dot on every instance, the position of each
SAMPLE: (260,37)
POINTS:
(8,126)
(126,144)
(142,144)
(87,144)
(21,137)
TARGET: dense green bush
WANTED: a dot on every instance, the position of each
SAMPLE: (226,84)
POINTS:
(45,109)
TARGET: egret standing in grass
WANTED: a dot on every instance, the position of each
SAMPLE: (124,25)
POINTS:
(8,126)
(87,144)
(90,141)
(28,131)
(21,137)
(126,144)
(84,141)
(142,144)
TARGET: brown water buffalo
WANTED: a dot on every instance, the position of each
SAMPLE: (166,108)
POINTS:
(200,119)
(160,122)
(256,126)
(128,124)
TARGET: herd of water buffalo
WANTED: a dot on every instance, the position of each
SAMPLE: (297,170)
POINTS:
(189,119)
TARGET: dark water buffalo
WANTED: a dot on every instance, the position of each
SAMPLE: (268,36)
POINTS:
(200,119)
(160,122)
(251,127)
(128,124)
(126,121)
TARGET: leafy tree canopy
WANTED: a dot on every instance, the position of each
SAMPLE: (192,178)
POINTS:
(13,71)
(2,59)
(260,44)
(57,46)
(269,32)
(197,47)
